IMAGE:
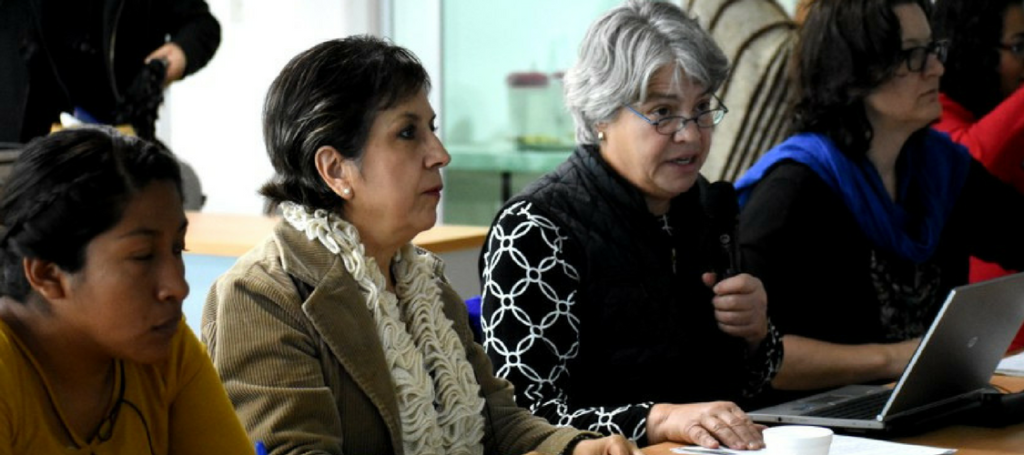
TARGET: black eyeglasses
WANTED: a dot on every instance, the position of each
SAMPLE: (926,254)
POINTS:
(917,57)
(670,125)
(1017,49)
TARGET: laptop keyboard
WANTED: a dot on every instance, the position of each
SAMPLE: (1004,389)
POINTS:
(864,407)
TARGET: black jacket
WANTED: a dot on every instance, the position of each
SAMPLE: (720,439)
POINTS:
(129,31)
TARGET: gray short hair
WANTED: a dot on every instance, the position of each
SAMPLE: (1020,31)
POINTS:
(621,52)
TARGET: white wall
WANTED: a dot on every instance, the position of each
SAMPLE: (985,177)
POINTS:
(212,118)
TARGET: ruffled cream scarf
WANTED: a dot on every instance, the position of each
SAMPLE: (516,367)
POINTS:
(438,396)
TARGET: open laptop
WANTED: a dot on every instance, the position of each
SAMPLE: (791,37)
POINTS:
(951,368)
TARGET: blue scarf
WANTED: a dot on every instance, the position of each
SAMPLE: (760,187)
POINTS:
(935,167)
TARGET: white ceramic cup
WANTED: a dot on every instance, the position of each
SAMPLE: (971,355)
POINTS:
(797,440)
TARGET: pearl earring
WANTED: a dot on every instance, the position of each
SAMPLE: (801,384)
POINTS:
(346,192)
(600,135)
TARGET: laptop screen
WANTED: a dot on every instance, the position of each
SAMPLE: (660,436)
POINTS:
(963,345)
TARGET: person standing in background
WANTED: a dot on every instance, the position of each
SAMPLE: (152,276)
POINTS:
(982,99)
(83,56)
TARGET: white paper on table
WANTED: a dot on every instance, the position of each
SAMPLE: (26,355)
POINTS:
(1012,365)
(841,445)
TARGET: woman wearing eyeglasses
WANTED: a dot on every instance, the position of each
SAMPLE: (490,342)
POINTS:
(596,299)
(982,103)
(862,222)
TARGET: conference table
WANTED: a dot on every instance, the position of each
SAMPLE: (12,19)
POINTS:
(215,240)
(232,235)
(968,440)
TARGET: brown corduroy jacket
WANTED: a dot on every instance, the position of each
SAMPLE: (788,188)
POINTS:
(308,375)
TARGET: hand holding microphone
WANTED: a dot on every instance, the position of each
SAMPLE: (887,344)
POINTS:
(723,212)
(741,305)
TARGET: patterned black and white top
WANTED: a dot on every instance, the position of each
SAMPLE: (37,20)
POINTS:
(532,324)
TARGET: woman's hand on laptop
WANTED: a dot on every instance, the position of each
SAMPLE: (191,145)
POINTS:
(712,424)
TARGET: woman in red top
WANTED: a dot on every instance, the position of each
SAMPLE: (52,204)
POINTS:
(982,99)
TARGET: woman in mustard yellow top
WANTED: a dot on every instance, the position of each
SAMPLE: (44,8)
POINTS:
(94,355)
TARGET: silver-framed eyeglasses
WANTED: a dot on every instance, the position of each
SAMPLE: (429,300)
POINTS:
(670,125)
(916,58)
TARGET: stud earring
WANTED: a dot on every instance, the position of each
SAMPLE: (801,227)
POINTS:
(346,192)
(600,135)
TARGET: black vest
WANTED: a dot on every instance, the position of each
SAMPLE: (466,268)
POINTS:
(647,333)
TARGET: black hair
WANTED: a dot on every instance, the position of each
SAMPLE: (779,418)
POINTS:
(330,95)
(847,49)
(65,189)
(975,28)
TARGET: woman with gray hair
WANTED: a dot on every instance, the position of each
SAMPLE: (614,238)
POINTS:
(597,301)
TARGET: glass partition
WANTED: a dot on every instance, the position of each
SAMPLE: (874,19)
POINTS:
(501,114)
(503,118)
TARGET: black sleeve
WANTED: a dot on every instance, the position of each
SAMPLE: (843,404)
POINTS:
(993,215)
(196,31)
(531,325)
(770,224)
(798,237)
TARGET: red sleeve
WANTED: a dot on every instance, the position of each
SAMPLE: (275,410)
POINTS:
(996,140)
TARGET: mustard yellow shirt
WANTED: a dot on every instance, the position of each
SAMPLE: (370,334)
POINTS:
(174,407)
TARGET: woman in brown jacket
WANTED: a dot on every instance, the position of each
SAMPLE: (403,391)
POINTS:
(337,335)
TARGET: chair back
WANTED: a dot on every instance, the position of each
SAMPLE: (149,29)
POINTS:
(759,39)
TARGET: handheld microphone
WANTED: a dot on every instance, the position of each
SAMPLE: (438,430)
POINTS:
(722,208)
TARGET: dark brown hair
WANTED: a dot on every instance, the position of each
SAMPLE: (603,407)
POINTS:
(330,95)
(67,188)
(847,48)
